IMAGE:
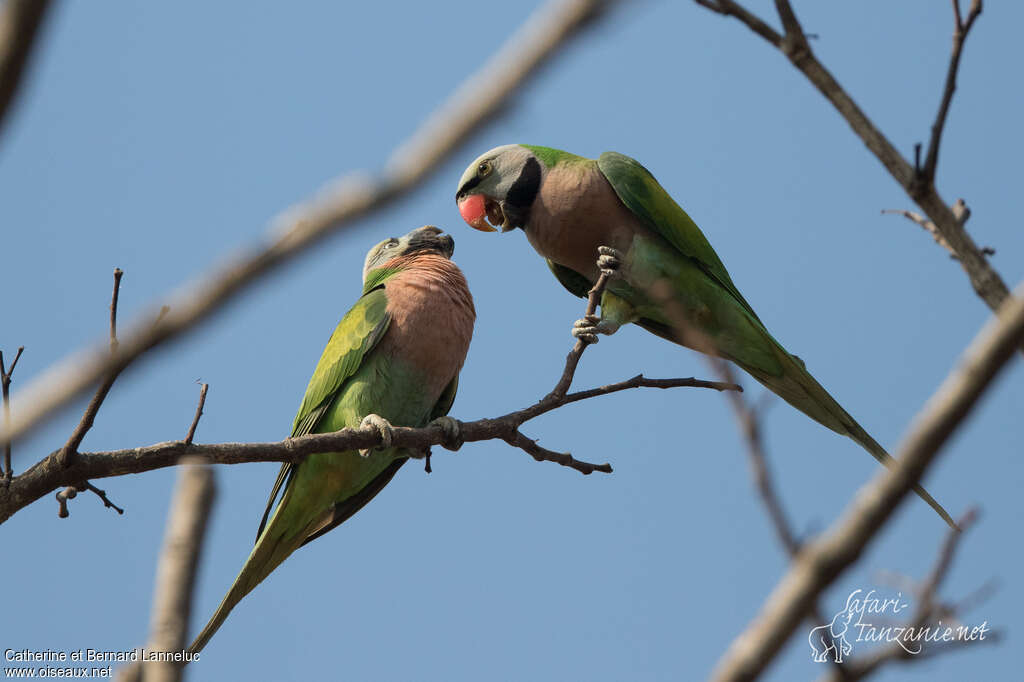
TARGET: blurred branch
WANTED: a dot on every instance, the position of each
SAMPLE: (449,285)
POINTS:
(820,562)
(354,196)
(5,386)
(176,574)
(47,475)
(916,180)
(748,423)
(19,25)
(928,610)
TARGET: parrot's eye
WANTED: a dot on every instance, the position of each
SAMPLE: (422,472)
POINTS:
(391,244)
(484,168)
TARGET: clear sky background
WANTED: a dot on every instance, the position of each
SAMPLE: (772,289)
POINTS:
(161,137)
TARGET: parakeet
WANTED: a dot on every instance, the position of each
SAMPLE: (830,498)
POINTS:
(393,359)
(568,206)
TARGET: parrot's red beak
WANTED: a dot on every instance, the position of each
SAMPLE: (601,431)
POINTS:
(473,210)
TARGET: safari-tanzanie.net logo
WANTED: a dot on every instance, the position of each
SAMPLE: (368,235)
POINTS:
(871,618)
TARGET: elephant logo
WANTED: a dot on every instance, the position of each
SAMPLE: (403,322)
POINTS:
(831,638)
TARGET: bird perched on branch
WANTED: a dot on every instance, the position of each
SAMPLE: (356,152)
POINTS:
(393,359)
(670,281)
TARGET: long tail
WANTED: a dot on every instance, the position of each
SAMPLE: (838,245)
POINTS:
(801,390)
(273,547)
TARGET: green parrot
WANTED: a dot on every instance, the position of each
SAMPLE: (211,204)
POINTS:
(393,359)
(570,207)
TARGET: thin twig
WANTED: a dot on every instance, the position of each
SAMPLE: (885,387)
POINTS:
(5,385)
(199,413)
(355,196)
(72,491)
(19,26)
(960,31)
(113,309)
(70,450)
(46,476)
(573,359)
(824,559)
(926,224)
(541,454)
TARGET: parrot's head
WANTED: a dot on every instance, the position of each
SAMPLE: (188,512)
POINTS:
(499,188)
(426,239)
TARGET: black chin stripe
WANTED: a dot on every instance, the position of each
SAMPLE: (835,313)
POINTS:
(524,190)
(470,184)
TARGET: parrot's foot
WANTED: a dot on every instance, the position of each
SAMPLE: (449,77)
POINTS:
(452,429)
(609,261)
(587,328)
(383,427)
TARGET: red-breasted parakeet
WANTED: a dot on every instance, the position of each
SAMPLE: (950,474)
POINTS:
(393,359)
(568,206)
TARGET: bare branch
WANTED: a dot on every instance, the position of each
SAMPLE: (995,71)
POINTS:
(113,309)
(823,560)
(928,226)
(199,413)
(46,475)
(70,449)
(960,31)
(5,385)
(986,281)
(573,359)
(348,199)
(19,25)
(72,491)
(529,446)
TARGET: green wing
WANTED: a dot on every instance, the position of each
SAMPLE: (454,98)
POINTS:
(576,283)
(354,337)
(642,195)
(343,511)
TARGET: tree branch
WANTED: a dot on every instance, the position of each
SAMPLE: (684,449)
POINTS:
(70,449)
(19,26)
(176,572)
(960,31)
(5,386)
(823,560)
(46,475)
(352,197)
(986,281)
(928,610)
(199,413)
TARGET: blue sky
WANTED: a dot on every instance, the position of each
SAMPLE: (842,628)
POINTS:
(160,138)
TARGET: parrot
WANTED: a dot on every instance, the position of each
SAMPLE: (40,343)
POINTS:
(573,208)
(394,358)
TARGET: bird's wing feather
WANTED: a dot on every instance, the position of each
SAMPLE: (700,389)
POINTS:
(576,283)
(353,338)
(641,193)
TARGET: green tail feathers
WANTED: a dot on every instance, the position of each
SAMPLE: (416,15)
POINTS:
(273,547)
(801,390)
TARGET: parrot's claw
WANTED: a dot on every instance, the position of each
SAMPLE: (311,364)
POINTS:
(609,261)
(585,329)
(383,427)
(452,429)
